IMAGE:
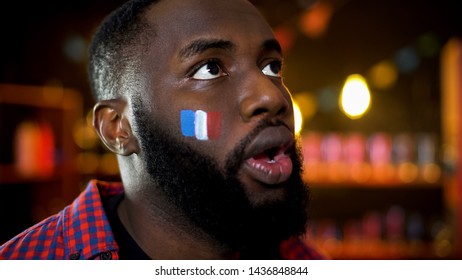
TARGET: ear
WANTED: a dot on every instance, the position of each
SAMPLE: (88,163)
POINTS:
(113,127)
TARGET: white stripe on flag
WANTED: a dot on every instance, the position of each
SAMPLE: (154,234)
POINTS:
(200,125)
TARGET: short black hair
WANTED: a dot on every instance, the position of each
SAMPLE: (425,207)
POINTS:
(116,48)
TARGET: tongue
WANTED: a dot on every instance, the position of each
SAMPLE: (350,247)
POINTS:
(270,171)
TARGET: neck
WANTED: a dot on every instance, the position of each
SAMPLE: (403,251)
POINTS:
(164,233)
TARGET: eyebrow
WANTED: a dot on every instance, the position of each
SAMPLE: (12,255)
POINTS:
(272,44)
(201,45)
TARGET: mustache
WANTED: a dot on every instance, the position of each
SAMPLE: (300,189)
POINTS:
(236,157)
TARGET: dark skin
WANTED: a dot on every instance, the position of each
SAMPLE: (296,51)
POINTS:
(219,55)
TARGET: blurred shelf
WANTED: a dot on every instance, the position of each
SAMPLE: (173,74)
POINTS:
(373,185)
(10,175)
(383,250)
(391,178)
(41,97)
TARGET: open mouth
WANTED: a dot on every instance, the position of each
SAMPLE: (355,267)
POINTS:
(270,160)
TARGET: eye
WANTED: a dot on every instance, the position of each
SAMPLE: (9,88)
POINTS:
(209,71)
(273,69)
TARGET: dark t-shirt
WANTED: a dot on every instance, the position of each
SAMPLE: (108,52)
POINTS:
(129,249)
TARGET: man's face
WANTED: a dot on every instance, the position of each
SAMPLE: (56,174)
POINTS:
(219,57)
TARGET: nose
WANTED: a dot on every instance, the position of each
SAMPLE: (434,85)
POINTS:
(263,97)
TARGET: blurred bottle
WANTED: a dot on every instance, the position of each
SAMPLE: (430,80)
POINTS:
(379,148)
(372,232)
(311,150)
(415,232)
(329,237)
(442,238)
(332,155)
(404,157)
(34,146)
(354,155)
(429,170)
(394,224)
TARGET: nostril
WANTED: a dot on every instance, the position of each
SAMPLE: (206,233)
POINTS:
(282,110)
(259,111)
(271,101)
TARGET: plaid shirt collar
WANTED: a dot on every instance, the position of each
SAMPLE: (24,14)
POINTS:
(89,233)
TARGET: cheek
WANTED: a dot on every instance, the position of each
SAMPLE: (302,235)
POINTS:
(208,132)
(201,125)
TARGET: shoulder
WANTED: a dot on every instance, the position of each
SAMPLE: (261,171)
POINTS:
(41,241)
(81,229)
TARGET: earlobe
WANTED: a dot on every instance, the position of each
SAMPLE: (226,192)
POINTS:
(113,127)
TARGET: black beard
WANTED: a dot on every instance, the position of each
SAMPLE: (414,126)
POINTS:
(216,201)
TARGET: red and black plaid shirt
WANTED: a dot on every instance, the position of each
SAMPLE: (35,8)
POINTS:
(82,231)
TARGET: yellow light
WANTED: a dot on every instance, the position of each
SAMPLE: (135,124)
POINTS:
(307,101)
(383,75)
(84,136)
(298,118)
(109,164)
(355,98)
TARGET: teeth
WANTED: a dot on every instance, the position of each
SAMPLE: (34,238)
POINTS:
(271,161)
(260,167)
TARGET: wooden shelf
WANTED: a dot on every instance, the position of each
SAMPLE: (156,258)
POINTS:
(331,180)
(374,185)
(379,250)
(10,175)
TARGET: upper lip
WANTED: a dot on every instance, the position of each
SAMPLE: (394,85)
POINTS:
(279,137)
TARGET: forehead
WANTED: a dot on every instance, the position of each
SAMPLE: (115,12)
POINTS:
(178,22)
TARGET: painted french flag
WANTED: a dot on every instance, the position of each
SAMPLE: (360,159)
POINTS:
(200,124)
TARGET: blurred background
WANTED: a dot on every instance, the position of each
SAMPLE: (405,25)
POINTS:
(378,85)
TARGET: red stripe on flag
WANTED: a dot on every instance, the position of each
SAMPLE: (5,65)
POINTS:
(213,125)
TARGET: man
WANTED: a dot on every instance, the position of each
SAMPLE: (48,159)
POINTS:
(191,99)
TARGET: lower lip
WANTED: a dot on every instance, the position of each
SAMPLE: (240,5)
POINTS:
(271,172)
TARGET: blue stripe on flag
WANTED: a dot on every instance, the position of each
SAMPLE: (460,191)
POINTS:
(187,122)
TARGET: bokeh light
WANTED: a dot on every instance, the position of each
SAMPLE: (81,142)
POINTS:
(298,118)
(109,164)
(84,135)
(383,75)
(315,20)
(75,48)
(307,104)
(355,98)
(87,162)
(407,60)
(327,99)
(286,37)
(429,45)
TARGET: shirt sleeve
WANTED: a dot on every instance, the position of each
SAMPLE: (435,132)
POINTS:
(41,241)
